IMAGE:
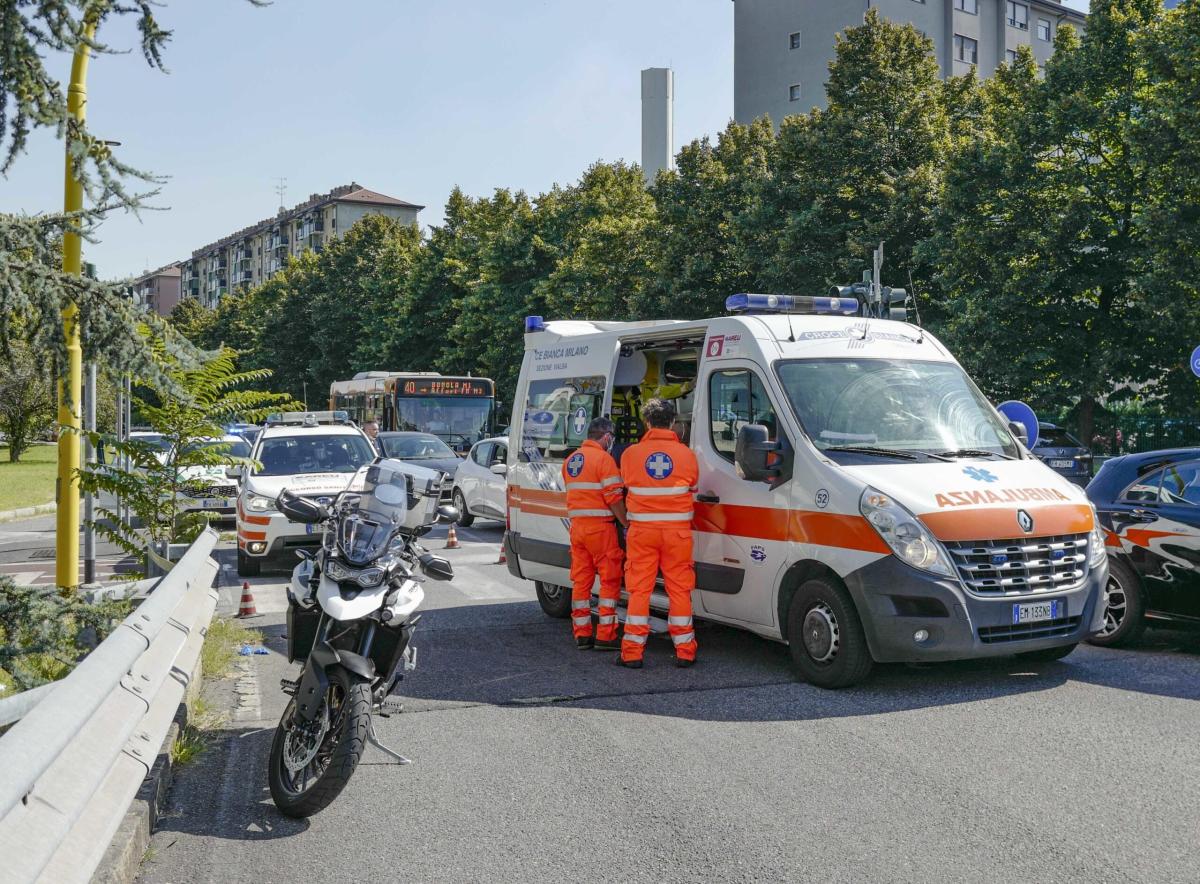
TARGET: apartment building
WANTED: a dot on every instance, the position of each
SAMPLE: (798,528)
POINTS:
(782,48)
(254,254)
(157,290)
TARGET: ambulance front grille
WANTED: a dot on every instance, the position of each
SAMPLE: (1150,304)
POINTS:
(1021,566)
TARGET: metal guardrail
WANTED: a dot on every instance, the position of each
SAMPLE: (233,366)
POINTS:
(71,766)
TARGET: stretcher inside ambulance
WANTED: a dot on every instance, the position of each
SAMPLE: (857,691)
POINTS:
(859,498)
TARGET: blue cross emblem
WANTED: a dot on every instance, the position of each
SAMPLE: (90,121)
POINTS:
(981,475)
(659,465)
(575,464)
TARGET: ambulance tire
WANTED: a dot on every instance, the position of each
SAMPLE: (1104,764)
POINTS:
(826,638)
(247,566)
(554,599)
(465,519)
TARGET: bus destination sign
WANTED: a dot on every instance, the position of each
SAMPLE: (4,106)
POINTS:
(446,387)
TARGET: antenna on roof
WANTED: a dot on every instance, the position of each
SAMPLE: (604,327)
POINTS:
(917,310)
(281,189)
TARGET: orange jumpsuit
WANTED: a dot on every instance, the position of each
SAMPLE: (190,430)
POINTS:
(593,482)
(660,474)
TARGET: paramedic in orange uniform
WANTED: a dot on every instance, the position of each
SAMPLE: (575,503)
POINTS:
(594,499)
(660,474)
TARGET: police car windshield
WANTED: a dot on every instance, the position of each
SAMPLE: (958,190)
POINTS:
(292,455)
(912,407)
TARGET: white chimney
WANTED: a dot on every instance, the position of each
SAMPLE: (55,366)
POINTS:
(658,121)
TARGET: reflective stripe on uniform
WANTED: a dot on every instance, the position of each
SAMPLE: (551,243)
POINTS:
(611,480)
(608,618)
(637,620)
(581,620)
(608,603)
(683,639)
(584,486)
(660,517)
(577,604)
(635,638)
(659,491)
(583,514)
(679,621)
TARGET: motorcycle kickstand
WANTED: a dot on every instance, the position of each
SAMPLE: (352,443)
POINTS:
(374,741)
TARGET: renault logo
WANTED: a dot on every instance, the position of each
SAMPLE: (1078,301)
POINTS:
(1025,521)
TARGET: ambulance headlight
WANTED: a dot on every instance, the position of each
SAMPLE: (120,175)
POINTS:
(256,503)
(1096,542)
(904,533)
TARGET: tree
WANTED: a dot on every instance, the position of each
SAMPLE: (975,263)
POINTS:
(1038,248)
(27,403)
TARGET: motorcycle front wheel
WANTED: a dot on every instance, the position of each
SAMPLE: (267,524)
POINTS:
(311,763)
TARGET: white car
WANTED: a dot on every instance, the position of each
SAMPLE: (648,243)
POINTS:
(310,458)
(479,481)
(208,488)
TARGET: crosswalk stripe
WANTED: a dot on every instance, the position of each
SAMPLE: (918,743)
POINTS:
(473,585)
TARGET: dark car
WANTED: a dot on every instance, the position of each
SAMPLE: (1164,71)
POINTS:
(1063,453)
(422,449)
(1149,506)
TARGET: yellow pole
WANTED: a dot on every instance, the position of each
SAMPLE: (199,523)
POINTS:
(70,392)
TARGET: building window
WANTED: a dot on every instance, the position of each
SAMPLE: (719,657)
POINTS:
(966,49)
(1010,56)
(794,92)
(1018,15)
(794,40)
(969,6)
(1044,29)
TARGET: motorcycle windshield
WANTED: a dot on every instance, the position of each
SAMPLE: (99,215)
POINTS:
(362,540)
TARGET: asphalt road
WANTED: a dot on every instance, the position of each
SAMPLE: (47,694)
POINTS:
(537,762)
(27,553)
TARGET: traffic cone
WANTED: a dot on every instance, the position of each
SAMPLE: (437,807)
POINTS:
(452,538)
(246,606)
(503,560)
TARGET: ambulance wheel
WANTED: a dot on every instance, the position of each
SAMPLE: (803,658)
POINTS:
(465,519)
(554,599)
(247,566)
(826,638)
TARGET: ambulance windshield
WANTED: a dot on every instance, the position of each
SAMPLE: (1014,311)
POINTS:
(912,408)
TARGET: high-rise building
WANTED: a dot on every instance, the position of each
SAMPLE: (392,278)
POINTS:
(256,253)
(157,290)
(658,121)
(782,48)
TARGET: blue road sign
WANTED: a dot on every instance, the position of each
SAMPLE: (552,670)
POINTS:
(1022,414)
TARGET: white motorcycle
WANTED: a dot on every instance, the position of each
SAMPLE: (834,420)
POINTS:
(350,620)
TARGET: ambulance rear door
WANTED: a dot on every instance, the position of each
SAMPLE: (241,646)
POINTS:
(741,527)
(565,383)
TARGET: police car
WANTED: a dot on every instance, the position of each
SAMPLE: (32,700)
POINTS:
(314,454)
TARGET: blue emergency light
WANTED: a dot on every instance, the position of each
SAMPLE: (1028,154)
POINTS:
(753,303)
(534,324)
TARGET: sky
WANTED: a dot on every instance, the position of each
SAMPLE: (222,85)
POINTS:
(407,97)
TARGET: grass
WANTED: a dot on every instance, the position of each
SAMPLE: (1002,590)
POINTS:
(202,718)
(29,482)
(221,646)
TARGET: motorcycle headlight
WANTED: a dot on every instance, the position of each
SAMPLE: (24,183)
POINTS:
(257,503)
(904,533)
(1097,549)
(337,571)
(370,577)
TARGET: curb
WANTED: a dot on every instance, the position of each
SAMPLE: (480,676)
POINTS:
(27,512)
(122,861)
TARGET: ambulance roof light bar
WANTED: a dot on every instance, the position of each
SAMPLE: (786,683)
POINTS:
(747,302)
(307,418)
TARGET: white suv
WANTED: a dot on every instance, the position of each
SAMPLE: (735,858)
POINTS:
(311,459)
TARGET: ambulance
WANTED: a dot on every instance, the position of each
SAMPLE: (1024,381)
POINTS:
(859,498)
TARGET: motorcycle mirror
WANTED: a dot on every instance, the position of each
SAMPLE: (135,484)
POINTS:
(448,513)
(436,567)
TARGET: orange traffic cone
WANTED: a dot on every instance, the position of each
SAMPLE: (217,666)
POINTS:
(503,560)
(246,606)
(452,538)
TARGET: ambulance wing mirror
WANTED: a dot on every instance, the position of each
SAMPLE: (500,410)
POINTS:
(759,459)
(1018,429)
(234,473)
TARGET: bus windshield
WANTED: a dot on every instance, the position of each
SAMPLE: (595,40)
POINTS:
(459,421)
(911,408)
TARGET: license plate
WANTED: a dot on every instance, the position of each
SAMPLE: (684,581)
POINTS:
(1062,464)
(216,503)
(1034,612)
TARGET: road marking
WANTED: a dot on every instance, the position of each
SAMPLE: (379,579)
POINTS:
(26,578)
(481,587)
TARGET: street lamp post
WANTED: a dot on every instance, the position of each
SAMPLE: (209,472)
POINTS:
(70,384)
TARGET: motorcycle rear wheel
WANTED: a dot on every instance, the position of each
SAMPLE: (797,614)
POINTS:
(313,787)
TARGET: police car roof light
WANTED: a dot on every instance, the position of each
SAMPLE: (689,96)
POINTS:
(307,418)
(534,324)
(758,303)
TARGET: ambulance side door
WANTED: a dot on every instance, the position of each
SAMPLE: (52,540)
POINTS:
(741,526)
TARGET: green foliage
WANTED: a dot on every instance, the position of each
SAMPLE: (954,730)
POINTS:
(27,403)
(152,484)
(43,634)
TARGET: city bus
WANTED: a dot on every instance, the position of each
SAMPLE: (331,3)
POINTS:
(459,410)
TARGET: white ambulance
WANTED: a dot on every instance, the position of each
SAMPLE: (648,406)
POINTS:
(311,453)
(859,498)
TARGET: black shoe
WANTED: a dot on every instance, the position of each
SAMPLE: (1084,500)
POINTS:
(583,642)
(611,645)
(684,664)
(629,664)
